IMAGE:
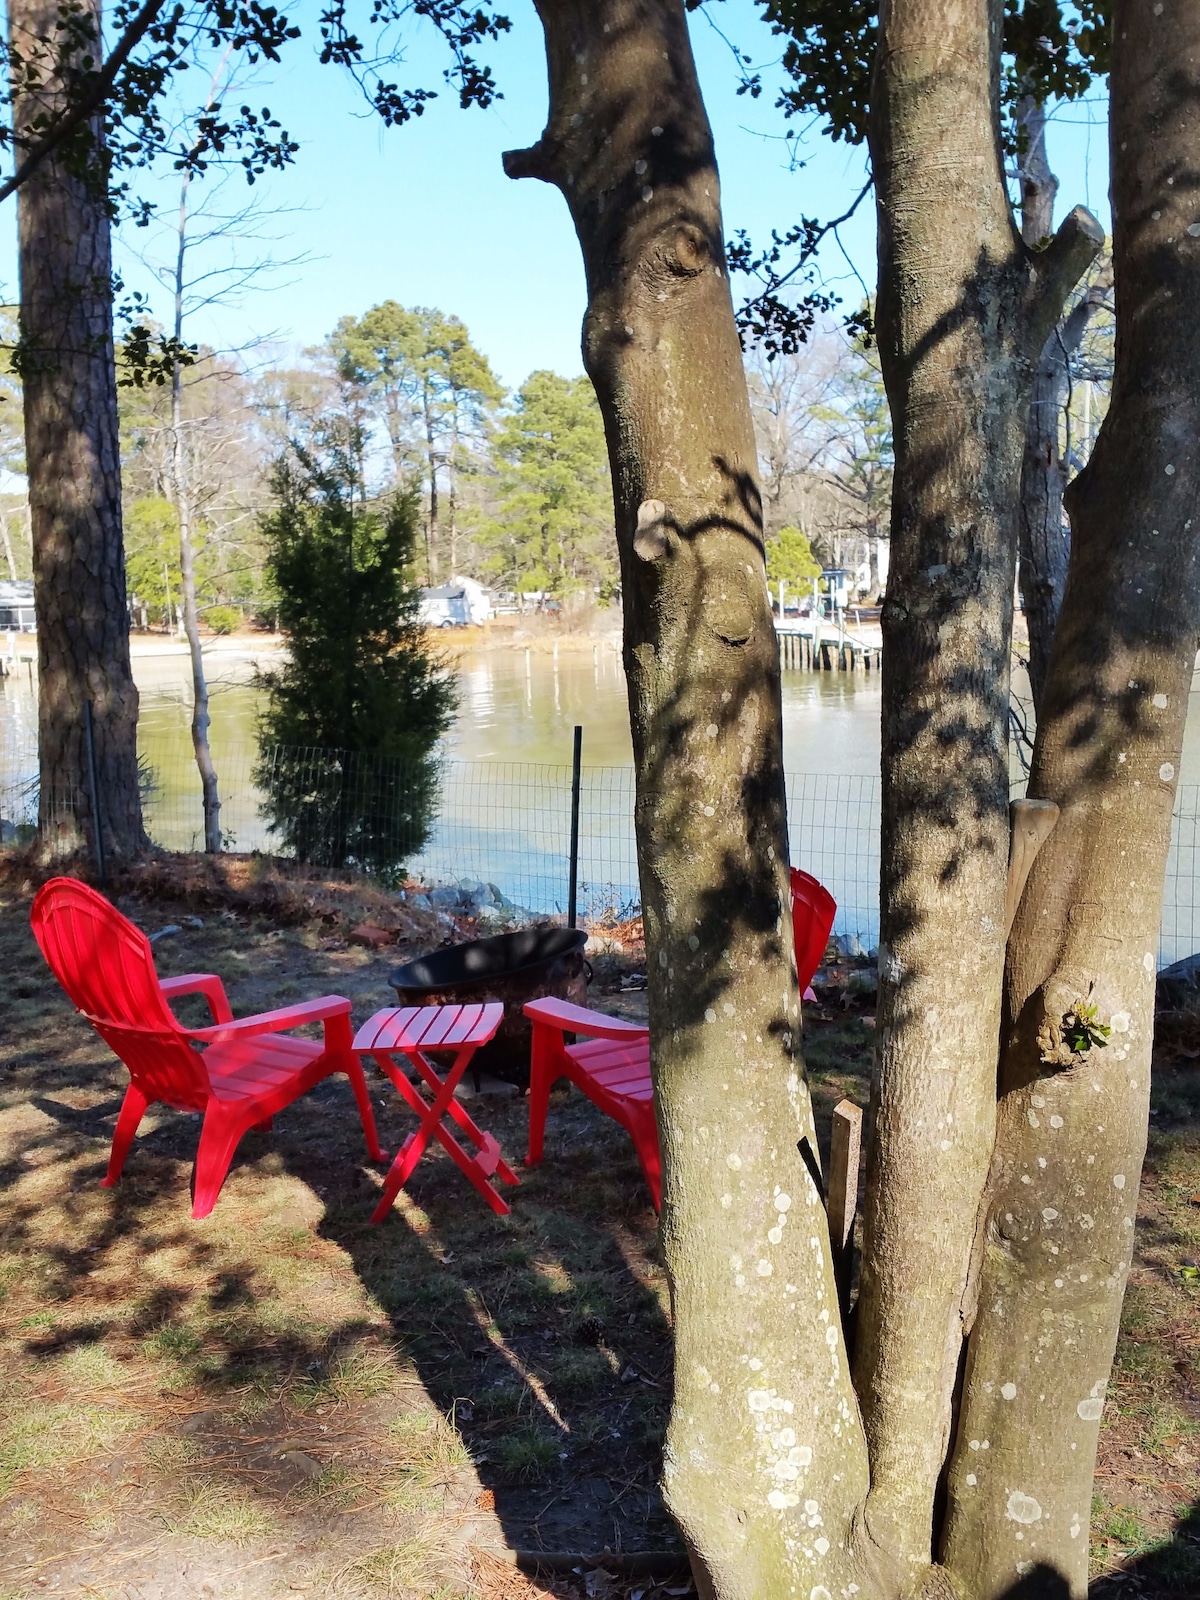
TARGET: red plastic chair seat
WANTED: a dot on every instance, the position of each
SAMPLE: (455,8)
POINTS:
(612,1066)
(246,1071)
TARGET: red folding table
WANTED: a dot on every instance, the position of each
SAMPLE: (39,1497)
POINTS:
(413,1031)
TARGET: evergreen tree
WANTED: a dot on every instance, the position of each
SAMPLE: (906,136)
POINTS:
(347,738)
(554,529)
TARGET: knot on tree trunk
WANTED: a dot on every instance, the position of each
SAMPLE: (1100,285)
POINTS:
(652,540)
(1071,1026)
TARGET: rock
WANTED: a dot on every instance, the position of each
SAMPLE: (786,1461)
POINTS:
(443,897)
(492,917)
(165,933)
(849,946)
(368,934)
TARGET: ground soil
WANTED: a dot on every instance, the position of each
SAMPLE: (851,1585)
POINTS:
(283,1399)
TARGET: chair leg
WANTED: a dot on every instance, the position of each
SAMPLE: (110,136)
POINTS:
(539,1090)
(133,1109)
(644,1130)
(218,1140)
(358,1083)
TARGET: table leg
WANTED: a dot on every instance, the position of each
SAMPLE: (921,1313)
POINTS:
(477,1169)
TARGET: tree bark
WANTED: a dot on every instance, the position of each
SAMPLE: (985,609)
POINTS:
(963,310)
(1045,543)
(181,482)
(9,558)
(1060,1215)
(433,538)
(73,464)
(765,1463)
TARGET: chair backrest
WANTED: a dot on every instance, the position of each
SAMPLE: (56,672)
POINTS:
(813,911)
(106,966)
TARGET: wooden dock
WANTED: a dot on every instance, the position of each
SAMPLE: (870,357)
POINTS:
(811,645)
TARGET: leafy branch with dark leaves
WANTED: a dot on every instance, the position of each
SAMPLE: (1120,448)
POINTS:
(1052,51)
(782,326)
(100,115)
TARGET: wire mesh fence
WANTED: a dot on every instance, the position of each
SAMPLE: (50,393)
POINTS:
(509,824)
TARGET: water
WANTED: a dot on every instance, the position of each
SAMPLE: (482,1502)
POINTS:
(505,814)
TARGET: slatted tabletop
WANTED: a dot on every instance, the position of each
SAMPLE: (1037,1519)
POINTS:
(429,1027)
(413,1031)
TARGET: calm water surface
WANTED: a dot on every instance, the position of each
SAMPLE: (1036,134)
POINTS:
(504,821)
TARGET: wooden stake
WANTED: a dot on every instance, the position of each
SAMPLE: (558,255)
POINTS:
(1032,824)
(843,1172)
(845,1147)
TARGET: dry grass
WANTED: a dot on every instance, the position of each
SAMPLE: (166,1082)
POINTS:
(283,1395)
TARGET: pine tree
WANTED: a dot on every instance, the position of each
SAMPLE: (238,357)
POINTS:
(348,735)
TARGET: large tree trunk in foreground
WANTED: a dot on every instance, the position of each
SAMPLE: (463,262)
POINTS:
(765,1463)
(1072,1126)
(963,311)
(73,465)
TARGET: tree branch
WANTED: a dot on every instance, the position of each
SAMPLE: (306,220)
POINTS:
(536,162)
(89,103)
(1059,267)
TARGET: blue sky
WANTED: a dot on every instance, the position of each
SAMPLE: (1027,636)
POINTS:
(424,214)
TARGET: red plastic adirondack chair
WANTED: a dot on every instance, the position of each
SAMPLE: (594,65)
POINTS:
(813,911)
(611,1065)
(239,1081)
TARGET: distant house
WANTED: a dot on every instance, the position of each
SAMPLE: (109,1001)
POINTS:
(16,608)
(455,604)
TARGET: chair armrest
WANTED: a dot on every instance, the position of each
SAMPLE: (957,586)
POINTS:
(205,983)
(330,1005)
(562,1014)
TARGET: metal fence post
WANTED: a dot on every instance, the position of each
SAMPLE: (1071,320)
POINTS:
(89,745)
(573,881)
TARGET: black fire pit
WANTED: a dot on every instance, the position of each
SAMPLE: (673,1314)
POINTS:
(511,968)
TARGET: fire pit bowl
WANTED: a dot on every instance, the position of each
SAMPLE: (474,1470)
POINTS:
(509,967)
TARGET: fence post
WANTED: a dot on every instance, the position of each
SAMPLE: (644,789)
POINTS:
(89,745)
(573,881)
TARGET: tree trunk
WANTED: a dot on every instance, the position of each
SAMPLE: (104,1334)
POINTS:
(963,310)
(427,406)
(9,558)
(210,794)
(1045,543)
(1059,1223)
(452,496)
(765,1465)
(74,471)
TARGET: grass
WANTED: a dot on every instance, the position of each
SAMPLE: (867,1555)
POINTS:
(213,1508)
(158,1370)
(162,1372)
(527,1455)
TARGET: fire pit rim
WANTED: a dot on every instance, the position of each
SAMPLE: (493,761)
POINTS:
(551,944)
